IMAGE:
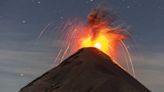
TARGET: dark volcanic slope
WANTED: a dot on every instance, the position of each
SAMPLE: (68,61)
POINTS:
(88,70)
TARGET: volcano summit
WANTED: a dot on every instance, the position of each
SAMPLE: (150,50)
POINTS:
(88,70)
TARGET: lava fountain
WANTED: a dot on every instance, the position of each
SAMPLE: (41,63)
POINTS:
(99,32)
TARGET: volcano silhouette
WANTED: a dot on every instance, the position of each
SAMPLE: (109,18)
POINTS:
(88,70)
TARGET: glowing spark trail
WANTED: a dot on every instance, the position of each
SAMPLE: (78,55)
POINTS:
(130,59)
(56,58)
(126,58)
(65,52)
(43,31)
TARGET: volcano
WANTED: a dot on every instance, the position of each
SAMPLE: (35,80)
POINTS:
(88,70)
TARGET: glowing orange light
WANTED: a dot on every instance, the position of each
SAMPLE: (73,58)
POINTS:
(99,33)
(101,42)
(98,45)
(104,40)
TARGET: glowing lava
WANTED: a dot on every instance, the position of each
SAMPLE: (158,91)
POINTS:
(101,42)
(104,39)
(98,45)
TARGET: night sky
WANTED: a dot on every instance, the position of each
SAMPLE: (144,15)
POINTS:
(23,56)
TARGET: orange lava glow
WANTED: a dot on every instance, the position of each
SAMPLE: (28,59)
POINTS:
(101,42)
(104,39)
(102,32)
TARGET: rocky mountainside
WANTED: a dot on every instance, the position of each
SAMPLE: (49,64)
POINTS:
(88,70)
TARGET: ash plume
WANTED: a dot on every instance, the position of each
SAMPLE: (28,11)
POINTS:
(101,15)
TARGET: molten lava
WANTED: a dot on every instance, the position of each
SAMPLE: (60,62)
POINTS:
(105,40)
(100,33)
